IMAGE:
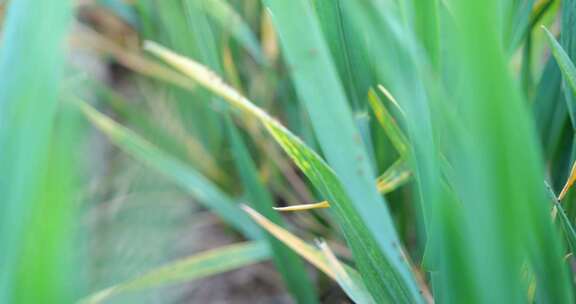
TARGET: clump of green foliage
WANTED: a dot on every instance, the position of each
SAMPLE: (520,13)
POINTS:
(427,146)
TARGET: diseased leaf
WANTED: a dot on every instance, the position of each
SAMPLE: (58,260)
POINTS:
(388,122)
(381,275)
(349,279)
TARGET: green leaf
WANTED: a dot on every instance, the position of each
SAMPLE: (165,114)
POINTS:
(568,71)
(427,28)
(520,23)
(567,227)
(568,42)
(52,221)
(202,265)
(31,61)
(347,49)
(565,223)
(201,188)
(549,109)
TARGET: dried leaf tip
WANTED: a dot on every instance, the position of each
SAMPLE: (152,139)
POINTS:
(320,205)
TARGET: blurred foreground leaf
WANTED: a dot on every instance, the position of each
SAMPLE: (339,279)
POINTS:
(205,264)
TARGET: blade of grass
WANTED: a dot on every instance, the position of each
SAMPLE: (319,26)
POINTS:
(394,177)
(391,98)
(351,282)
(320,205)
(190,180)
(356,292)
(567,227)
(549,109)
(565,223)
(31,60)
(347,50)
(195,267)
(568,43)
(388,122)
(287,263)
(538,11)
(311,254)
(384,278)
(51,225)
(520,23)
(568,72)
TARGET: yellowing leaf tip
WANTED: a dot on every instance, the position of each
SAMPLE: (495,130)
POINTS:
(320,205)
(390,97)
